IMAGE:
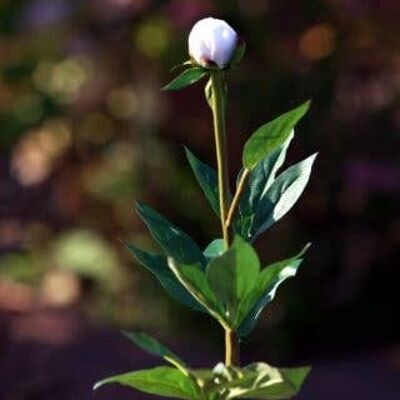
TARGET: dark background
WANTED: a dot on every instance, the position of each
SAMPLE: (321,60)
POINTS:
(85,130)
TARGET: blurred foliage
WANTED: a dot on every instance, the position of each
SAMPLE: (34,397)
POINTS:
(85,130)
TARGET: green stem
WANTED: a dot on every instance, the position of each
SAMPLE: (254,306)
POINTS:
(218,102)
(232,349)
(236,199)
(218,109)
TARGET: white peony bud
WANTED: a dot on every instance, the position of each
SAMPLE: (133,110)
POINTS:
(212,42)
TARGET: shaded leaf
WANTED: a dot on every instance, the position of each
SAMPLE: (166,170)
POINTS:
(154,347)
(271,135)
(161,381)
(186,78)
(270,279)
(174,241)
(207,179)
(194,280)
(157,264)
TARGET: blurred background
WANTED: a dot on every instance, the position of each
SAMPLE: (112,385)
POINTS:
(85,130)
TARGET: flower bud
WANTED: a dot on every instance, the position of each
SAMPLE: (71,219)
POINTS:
(213,43)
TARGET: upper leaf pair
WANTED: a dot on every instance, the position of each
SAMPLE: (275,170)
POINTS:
(265,198)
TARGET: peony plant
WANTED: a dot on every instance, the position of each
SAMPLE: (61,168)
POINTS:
(225,280)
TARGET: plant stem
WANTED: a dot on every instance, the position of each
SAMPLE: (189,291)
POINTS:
(218,109)
(232,349)
(236,198)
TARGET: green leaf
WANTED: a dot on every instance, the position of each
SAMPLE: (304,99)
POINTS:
(259,181)
(186,78)
(154,347)
(194,280)
(214,249)
(255,381)
(207,179)
(233,275)
(271,135)
(274,384)
(270,279)
(157,264)
(161,381)
(174,241)
(275,202)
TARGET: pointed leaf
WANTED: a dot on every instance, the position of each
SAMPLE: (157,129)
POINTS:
(174,241)
(259,181)
(161,381)
(158,265)
(271,135)
(270,279)
(154,347)
(283,194)
(186,78)
(233,275)
(194,280)
(272,204)
(207,179)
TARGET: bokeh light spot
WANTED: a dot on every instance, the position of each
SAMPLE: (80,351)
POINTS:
(318,42)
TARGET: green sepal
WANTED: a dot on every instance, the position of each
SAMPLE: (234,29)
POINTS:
(207,179)
(174,241)
(157,264)
(271,135)
(161,381)
(268,282)
(186,78)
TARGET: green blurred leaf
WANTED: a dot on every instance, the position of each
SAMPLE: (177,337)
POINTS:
(270,278)
(186,78)
(174,241)
(259,181)
(207,179)
(233,275)
(154,347)
(195,281)
(161,381)
(271,135)
(272,204)
(214,249)
(157,264)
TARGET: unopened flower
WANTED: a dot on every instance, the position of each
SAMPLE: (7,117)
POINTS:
(214,43)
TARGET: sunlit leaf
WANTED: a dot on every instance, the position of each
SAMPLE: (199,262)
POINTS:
(270,279)
(271,135)
(214,249)
(161,381)
(233,275)
(272,204)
